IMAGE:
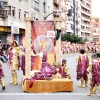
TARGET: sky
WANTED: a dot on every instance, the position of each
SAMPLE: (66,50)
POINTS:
(96,8)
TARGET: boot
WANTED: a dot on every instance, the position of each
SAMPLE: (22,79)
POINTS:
(12,79)
(90,93)
(3,84)
(15,79)
(86,83)
(82,84)
(94,90)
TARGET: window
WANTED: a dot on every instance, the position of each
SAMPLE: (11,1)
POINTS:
(19,13)
(48,9)
(36,4)
(13,11)
(25,14)
(44,7)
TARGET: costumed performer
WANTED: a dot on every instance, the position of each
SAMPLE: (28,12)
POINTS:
(2,76)
(13,59)
(95,70)
(81,68)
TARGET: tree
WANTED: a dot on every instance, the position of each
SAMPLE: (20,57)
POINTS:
(72,38)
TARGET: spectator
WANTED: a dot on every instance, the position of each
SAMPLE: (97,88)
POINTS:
(2,56)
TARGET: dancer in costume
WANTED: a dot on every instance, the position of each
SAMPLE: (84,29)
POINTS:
(98,75)
(64,70)
(2,76)
(95,70)
(81,68)
(13,60)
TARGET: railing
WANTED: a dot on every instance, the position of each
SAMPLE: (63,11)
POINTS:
(85,6)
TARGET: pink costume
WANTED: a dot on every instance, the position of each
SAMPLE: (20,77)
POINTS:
(10,57)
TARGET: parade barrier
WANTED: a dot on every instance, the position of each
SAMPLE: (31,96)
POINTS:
(47,86)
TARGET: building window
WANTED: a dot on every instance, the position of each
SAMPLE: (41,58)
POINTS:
(48,9)
(13,11)
(44,7)
(25,14)
(36,5)
(19,13)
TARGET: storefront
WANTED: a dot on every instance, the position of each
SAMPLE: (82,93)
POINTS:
(6,32)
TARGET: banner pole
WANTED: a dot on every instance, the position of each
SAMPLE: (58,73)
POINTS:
(27,46)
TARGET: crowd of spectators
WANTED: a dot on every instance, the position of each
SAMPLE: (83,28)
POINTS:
(4,47)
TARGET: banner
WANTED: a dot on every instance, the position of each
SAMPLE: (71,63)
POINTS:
(40,40)
(15,29)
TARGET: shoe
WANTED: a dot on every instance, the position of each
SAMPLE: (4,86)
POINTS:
(3,88)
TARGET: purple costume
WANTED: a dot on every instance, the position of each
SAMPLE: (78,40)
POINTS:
(95,74)
(23,63)
(1,72)
(46,71)
(61,71)
(10,57)
(82,68)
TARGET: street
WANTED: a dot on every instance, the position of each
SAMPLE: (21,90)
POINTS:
(16,93)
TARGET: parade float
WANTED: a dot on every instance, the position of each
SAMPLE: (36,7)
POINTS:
(45,77)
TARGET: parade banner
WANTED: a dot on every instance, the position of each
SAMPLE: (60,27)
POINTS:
(15,29)
(40,39)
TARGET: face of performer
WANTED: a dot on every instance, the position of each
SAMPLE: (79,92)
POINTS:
(64,63)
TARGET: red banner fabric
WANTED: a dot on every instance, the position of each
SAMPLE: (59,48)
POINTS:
(40,40)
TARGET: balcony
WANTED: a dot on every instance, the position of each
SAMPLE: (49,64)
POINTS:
(85,18)
(85,6)
(85,24)
(86,12)
(88,1)
(85,31)
(56,2)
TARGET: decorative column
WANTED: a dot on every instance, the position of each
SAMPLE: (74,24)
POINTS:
(58,42)
(27,46)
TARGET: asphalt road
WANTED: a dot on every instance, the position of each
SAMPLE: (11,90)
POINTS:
(16,92)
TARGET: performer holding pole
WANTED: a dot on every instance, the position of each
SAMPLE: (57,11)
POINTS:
(13,60)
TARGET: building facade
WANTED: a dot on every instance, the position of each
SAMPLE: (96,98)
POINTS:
(83,18)
(95,29)
(60,6)
(70,16)
(13,13)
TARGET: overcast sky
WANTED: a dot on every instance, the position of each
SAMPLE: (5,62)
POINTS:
(96,8)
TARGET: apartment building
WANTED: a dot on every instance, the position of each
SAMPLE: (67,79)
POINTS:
(83,18)
(95,29)
(70,16)
(60,6)
(41,8)
(13,13)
